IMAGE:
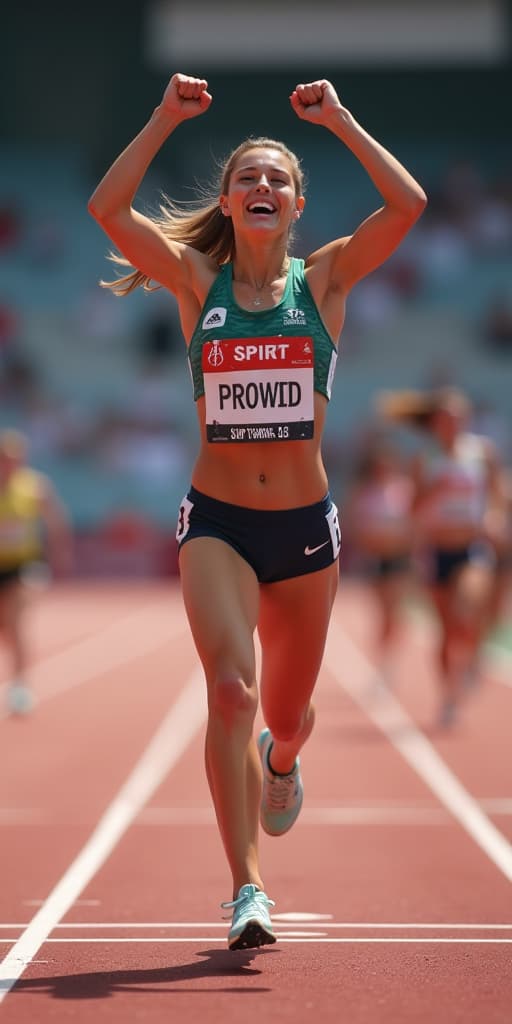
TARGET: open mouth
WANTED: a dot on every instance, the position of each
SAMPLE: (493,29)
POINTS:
(261,207)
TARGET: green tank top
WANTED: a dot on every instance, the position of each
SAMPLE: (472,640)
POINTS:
(296,314)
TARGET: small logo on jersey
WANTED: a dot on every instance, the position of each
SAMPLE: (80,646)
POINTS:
(215,317)
(311,551)
(294,318)
(215,356)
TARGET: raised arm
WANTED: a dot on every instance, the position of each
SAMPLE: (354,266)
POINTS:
(349,259)
(136,236)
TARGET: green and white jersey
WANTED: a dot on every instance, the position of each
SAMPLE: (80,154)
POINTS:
(296,314)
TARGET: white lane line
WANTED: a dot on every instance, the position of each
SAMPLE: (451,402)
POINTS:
(128,638)
(354,672)
(281,937)
(179,727)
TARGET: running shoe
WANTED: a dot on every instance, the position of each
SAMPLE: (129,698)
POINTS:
(251,925)
(448,713)
(20,699)
(282,795)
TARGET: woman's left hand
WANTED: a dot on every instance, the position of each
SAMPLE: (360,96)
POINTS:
(315,102)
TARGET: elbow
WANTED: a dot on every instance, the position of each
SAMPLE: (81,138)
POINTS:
(101,212)
(418,203)
(92,208)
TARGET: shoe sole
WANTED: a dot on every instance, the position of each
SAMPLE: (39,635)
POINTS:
(253,935)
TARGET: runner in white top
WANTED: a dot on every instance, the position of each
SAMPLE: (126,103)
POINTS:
(455,477)
(378,527)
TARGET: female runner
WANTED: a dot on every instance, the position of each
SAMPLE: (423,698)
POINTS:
(258,532)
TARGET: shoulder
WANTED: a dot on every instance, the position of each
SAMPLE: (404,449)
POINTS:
(203,269)
(29,483)
(479,447)
(320,270)
(322,260)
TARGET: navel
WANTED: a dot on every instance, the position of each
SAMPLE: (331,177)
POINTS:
(263,478)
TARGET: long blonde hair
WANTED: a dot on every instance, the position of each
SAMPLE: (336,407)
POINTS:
(418,408)
(200,222)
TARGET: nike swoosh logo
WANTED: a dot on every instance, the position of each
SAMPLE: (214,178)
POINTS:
(311,551)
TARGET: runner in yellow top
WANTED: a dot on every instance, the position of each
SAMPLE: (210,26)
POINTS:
(34,528)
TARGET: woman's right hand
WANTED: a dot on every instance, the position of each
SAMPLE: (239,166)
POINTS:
(186,97)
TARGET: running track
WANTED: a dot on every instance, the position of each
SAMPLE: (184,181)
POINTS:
(393,891)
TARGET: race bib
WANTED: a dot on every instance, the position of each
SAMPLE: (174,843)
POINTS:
(259,389)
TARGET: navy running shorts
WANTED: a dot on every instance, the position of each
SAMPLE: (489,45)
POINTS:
(445,562)
(9,576)
(278,545)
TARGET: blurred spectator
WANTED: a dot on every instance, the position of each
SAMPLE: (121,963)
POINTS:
(56,426)
(97,316)
(497,327)
(148,452)
(11,226)
(10,325)
(161,337)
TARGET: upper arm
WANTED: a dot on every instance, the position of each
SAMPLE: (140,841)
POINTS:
(372,243)
(346,260)
(146,247)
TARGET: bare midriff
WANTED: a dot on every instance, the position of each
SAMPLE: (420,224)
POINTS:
(263,475)
(456,536)
(385,544)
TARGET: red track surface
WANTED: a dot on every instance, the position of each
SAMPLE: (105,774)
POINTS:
(394,884)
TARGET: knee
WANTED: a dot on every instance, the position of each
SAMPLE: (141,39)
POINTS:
(231,696)
(286,724)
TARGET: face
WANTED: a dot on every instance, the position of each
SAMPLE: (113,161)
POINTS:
(8,465)
(261,193)
(449,420)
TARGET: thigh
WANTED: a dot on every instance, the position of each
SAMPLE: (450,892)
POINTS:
(221,594)
(292,625)
(12,597)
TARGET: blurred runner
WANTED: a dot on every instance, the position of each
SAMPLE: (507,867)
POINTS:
(456,478)
(35,542)
(378,525)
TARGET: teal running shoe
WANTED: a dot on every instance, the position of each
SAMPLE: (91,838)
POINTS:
(282,795)
(20,699)
(251,925)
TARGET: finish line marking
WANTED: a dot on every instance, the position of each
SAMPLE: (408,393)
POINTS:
(18,964)
(315,921)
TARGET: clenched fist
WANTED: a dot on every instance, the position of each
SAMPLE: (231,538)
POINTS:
(315,102)
(186,97)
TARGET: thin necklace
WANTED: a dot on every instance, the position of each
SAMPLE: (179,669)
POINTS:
(257,300)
